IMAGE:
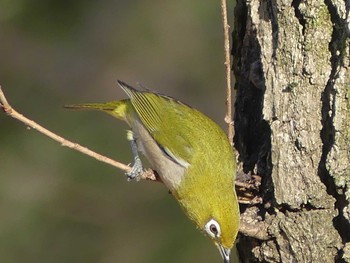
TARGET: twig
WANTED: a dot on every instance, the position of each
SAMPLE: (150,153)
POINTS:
(228,117)
(148,174)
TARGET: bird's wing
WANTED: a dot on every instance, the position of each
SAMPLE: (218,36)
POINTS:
(167,121)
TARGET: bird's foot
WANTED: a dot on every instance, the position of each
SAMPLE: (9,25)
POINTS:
(136,171)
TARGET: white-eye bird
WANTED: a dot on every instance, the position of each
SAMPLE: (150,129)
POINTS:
(191,155)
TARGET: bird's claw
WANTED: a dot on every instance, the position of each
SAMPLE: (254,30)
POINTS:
(136,171)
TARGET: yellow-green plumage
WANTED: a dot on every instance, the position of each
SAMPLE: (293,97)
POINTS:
(190,152)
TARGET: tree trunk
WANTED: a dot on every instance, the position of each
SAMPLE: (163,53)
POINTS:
(292,121)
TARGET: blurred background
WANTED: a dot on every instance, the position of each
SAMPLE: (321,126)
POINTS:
(57,205)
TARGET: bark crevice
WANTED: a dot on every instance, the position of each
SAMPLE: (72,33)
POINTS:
(337,48)
(298,14)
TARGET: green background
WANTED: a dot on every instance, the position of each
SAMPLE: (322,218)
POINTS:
(57,205)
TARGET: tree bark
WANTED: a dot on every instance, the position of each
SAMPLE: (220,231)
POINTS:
(292,126)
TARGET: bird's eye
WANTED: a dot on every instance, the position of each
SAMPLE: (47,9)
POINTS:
(213,228)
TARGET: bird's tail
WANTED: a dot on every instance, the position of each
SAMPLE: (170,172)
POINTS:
(116,108)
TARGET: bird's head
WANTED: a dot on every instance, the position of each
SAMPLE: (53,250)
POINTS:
(216,213)
(223,234)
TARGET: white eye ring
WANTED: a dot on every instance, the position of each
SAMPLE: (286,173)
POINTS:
(213,228)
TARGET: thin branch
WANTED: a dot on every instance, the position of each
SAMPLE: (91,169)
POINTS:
(148,174)
(228,117)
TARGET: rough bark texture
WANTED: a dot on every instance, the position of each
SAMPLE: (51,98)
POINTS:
(291,61)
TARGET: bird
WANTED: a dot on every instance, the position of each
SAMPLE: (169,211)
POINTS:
(191,154)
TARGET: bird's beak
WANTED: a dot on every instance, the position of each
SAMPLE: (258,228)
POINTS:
(225,253)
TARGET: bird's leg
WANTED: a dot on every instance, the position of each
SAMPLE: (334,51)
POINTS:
(137,168)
